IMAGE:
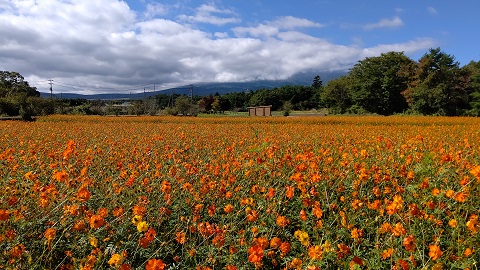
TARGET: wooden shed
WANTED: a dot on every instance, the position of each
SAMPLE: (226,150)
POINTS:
(260,111)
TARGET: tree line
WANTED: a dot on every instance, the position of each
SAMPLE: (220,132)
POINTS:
(391,83)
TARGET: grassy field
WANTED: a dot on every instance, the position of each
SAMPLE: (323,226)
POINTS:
(329,192)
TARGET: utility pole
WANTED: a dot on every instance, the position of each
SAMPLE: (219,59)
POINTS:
(191,92)
(51,87)
(153,87)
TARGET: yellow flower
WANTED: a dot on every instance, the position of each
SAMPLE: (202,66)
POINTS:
(302,237)
(142,226)
(93,241)
(115,260)
(327,246)
(136,219)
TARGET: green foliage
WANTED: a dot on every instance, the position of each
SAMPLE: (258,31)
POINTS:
(336,95)
(377,83)
(438,85)
(184,106)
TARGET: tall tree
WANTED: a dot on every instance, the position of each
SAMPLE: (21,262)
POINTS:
(377,83)
(317,82)
(336,94)
(12,84)
(438,85)
(473,87)
(16,94)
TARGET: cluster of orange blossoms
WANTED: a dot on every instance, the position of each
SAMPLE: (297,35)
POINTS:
(240,193)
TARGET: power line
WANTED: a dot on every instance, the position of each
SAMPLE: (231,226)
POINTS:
(51,87)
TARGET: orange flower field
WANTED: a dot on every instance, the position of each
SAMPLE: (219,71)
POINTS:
(81,192)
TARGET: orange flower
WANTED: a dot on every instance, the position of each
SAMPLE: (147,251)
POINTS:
(290,192)
(255,254)
(285,247)
(60,176)
(154,264)
(385,228)
(449,193)
(315,252)
(303,215)
(83,194)
(261,242)
(282,221)
(17,250)
(395,206)
(49,234)
(148,238)
(403,264)
(228,208)
(476,172)
(4,214)
(252,215)
(275,242)
(434,252)
(271,193)
(387,253)
(139,210)
(356,233)
(103,212)
(409,243)
(211,210)
(317,212)
(399,230)
(96,221)
(452,223)
(472,223)
(180,237)
(461,197)
(468,252)
(296,263)
(118,211)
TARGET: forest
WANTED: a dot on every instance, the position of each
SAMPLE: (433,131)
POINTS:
(391,83)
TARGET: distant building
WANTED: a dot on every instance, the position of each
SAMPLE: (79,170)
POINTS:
(260,111)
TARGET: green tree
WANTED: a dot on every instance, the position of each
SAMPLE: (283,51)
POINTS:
(317,82)
(14,95)
(336,95)
(378,83)
(438,85)
(184,106)
(473,87)
(13,84)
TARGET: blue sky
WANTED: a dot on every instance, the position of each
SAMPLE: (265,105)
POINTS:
(92,46)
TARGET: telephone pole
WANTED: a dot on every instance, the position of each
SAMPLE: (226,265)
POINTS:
(51,87)
(191,92)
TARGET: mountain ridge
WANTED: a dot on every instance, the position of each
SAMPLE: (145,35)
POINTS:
(207,88)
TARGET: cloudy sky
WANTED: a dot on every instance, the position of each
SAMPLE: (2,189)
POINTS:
(100,46)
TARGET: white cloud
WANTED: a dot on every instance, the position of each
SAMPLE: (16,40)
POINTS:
(272,28)
(406,47)
(101,46)
(385,23)
(210,14)
(290,23)
(431,10)
(154,10)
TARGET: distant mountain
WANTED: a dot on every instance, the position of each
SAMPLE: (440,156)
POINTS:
(205,89)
